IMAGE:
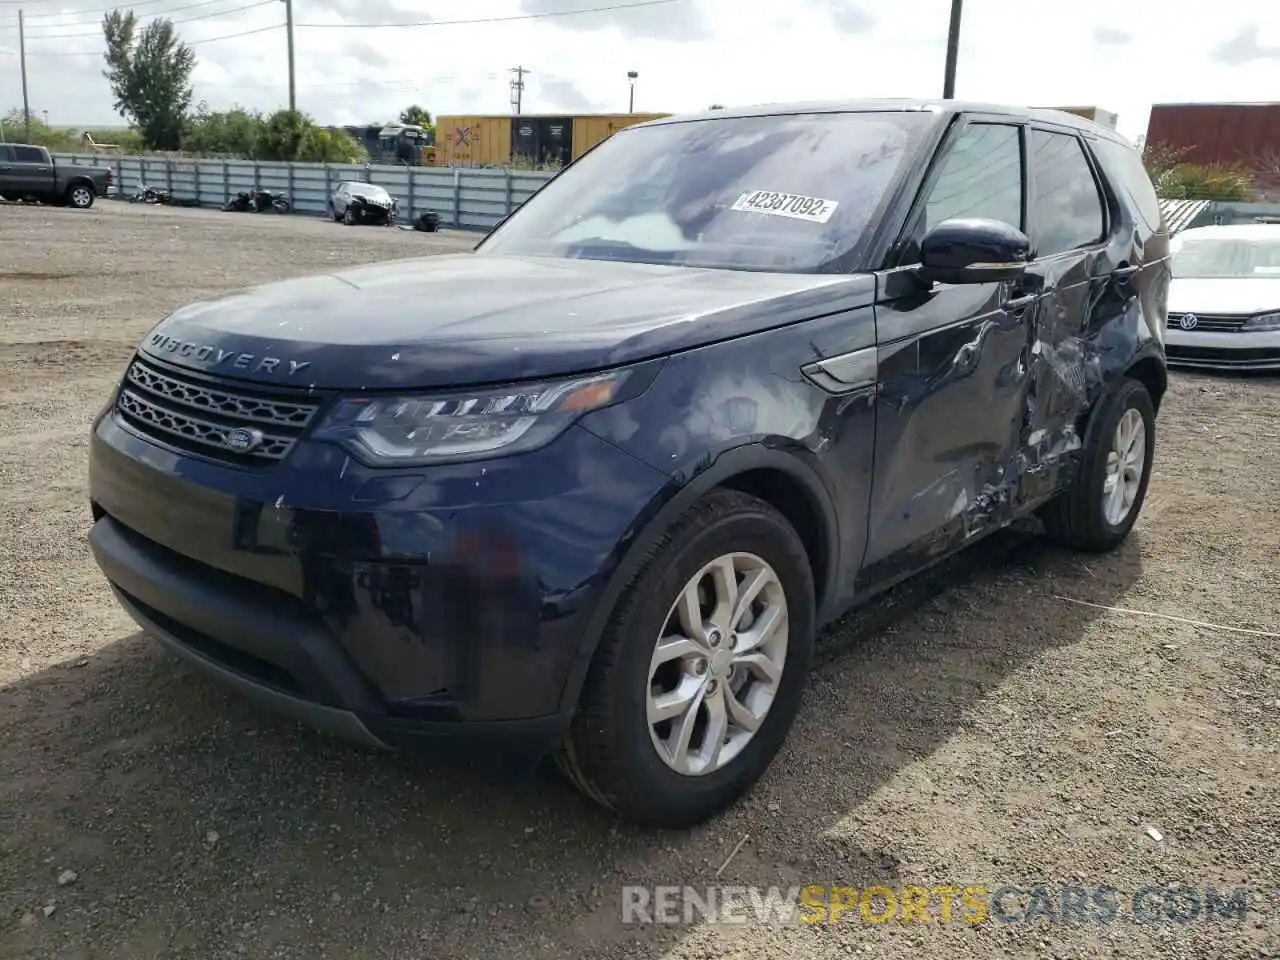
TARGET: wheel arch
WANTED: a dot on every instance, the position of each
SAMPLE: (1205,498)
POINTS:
(779,477)
(1151,373)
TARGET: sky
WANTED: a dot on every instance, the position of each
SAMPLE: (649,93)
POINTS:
(688,54)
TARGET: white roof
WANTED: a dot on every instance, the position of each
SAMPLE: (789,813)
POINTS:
(1234,231)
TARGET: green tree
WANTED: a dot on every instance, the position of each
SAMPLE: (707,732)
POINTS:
(1177,179)
(415,116)
(13,126)
(331,146)
(150,76)
(235,133)
(283,135)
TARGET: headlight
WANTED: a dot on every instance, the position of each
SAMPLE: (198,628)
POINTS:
(402,431)
(1262,323)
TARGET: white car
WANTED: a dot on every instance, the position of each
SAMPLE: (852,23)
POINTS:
(354,201)
(1224,299)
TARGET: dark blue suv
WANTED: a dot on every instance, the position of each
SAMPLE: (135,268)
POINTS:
(591,489)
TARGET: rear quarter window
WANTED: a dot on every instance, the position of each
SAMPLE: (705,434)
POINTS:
(28,155)
(1125,170)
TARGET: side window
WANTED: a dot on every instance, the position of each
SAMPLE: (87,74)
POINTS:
(1067,210)
(1126,170)
(981,176)
(6,154)
(28,155)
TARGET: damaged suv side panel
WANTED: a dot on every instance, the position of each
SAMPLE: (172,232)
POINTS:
(985,394)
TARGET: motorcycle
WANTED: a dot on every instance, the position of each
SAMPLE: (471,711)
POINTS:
(257,201)
(146,194)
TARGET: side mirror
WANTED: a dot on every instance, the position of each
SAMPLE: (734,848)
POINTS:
(973,250)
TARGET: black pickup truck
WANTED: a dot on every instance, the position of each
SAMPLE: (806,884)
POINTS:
(30,172)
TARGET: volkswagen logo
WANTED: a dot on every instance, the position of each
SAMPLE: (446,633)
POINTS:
(243,439)
(1188,321)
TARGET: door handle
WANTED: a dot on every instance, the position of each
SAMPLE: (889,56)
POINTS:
(1020,303)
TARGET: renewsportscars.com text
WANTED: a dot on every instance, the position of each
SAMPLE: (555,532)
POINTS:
(941,904)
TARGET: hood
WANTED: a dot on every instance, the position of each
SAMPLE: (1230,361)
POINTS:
(1230,296)
(469,319)
(372,195)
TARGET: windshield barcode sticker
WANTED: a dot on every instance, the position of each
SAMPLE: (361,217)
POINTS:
(792,205)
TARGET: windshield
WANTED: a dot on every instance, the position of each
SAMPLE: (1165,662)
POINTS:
(369,190)
(784,193)
(1236,258)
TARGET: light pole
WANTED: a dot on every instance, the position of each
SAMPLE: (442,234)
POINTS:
(631,78)
(953,49)
(288,23)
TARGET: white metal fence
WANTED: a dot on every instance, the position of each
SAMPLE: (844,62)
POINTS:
(462,197)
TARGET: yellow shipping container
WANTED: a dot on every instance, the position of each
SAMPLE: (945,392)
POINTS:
(590,129)
(487,140)
(473,141)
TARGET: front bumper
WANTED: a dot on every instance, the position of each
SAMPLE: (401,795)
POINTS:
(1223,351)
(440,608)
(371,213)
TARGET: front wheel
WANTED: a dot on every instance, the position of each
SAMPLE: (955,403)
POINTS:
(1100,508)
(280,205)
(701,668)
(80,196)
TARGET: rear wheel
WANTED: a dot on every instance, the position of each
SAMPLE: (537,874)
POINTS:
(1097,512)
(80,196)
(701,668)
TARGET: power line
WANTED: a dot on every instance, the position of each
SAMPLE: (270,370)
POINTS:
(372,26)
(203,16)
(158,13)
(190,43)
(451,23)
(98,14)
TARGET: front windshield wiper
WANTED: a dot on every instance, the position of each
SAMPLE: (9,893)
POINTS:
(598,248)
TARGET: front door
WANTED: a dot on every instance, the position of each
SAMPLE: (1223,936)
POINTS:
(8,175)
(954,369)
(30,170)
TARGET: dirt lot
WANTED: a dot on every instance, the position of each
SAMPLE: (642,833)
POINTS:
(969,729)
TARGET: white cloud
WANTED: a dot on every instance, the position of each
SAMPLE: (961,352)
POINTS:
(689,53)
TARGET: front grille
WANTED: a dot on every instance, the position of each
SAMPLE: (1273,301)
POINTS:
(1209,322)
(229,422)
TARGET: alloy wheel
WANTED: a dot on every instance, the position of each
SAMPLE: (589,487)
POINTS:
(716,668)
(1125,463)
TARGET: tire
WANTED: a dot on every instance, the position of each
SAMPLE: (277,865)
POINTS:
(610,753)
(333,212)
(80,196)
(1078,516)
(348,217)
(280,206)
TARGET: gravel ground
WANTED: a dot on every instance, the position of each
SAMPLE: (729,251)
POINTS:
(968,729)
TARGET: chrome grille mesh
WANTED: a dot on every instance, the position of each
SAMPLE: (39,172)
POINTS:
(1209,323)
(220,420)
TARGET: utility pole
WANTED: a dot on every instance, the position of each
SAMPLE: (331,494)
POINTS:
(293,87)
(22,57)
(517,88)
(631,79)
(953,51)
